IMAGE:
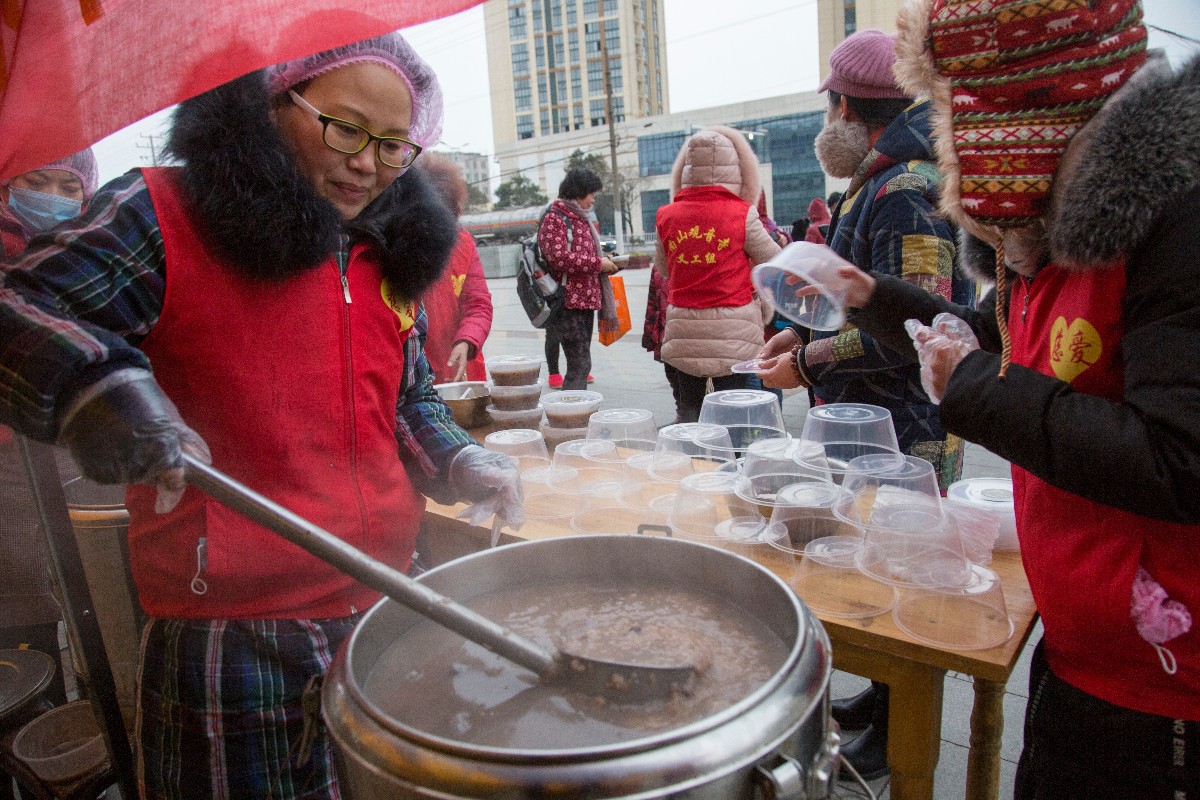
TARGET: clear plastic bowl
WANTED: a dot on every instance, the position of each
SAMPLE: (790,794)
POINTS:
(970,617)
(514,370)
(503,420)
(62,745)
(556,436)
(572,408)
(622,423)
(515,398)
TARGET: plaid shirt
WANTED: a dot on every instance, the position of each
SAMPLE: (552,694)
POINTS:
(76,304)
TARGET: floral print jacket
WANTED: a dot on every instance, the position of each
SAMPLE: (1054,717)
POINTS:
(575,264)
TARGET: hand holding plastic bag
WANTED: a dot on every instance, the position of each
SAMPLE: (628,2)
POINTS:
(491,482)
(940,349)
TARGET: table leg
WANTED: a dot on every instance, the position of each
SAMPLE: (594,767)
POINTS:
(914,729)
(987,726)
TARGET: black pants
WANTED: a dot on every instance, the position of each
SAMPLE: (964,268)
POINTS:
(553,345)
(1078,746)
(572,328)
(692,390)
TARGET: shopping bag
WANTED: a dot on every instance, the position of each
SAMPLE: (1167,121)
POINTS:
(614,329)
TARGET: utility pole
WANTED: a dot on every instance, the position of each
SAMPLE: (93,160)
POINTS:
(618,218)
(151,146)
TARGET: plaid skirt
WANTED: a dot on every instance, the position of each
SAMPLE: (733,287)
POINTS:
(221,708)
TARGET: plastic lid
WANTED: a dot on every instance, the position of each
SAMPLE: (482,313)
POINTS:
(622,415)
(513,436)
(811,494)
(739,397)
(24,675)
(993,494)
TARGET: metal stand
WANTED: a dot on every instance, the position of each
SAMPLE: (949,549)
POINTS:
(78,608)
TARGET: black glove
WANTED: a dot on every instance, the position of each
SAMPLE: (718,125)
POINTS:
(131,432)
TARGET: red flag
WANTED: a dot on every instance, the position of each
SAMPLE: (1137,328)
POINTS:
(74,71)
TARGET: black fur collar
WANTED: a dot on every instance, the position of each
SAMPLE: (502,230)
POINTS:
(263,217)
(1134,158)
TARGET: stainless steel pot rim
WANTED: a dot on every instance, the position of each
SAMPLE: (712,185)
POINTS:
(648,743)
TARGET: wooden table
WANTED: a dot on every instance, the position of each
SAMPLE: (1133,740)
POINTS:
(873,648)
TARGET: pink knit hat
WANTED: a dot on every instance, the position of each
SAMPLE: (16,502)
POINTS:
(82,165)
(861,66)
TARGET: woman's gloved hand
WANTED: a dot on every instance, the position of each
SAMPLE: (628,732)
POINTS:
(940,349)
(124,429)
(489,481)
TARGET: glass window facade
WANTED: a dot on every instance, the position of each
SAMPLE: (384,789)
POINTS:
(785,142)
(656,153)
(525,126)
(520,59)
(516,19)
(652,201)
(523,94)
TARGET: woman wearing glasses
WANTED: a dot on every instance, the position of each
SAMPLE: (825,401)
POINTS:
(272,282)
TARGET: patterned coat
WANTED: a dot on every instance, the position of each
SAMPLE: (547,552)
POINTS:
(886,224)
(577,264)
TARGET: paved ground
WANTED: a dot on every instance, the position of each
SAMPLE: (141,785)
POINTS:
(628,377)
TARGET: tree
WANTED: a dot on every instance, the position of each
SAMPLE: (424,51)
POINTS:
(519,192)
(477,199)
(597,163)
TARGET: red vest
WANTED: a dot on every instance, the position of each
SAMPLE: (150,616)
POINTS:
(1081,556)
(294,389)
(445,312)
(703,231)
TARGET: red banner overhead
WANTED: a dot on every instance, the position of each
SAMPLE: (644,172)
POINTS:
(74,71)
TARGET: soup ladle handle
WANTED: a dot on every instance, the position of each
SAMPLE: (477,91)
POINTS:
(367,570)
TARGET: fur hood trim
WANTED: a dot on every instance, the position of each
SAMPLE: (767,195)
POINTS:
(718,156)
(262,216)
(1133,159)
(1119,173)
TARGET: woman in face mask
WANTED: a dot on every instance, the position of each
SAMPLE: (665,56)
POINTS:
(37,200)
(33,202)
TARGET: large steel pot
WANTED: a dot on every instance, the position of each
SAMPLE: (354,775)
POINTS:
(778,741)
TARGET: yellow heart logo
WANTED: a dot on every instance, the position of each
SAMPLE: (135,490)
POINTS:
(1073,348)
(405,309)
(456,282)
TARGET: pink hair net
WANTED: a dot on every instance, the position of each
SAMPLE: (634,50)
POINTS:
(83,166)
(391,51)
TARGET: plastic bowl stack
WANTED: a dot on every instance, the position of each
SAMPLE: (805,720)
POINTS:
(567,415)
(515,390)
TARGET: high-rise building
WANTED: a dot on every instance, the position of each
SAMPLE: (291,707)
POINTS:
(546,64)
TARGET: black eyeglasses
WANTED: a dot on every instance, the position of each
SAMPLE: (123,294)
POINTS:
(348,138)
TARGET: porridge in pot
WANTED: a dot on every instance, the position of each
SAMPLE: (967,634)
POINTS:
(433,680)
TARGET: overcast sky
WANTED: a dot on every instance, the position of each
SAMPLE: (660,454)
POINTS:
(718,52)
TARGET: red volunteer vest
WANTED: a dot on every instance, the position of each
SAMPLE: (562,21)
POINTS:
(703,231)
(444,311)
(294,389)
(1081,556)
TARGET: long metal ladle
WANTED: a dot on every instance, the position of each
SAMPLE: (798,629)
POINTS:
(617,681)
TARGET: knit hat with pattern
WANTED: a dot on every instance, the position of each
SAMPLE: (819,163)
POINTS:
(1012,81)
(861,66)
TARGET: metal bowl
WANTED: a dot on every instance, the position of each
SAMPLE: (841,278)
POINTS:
(468,401)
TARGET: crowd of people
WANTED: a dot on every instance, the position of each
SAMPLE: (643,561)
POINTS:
(283,303)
